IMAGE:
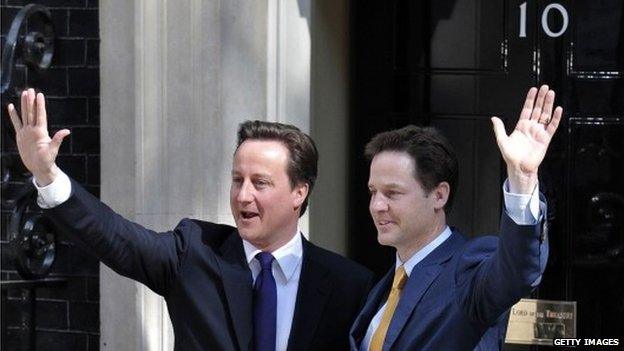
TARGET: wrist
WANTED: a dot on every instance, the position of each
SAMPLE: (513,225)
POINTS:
(521,182)
(45,178)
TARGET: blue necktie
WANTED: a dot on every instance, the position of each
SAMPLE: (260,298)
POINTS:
(265,305)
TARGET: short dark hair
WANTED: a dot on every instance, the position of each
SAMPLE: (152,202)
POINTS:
(302,153)
(434,158)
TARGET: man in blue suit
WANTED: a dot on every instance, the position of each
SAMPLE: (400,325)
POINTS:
(444,291)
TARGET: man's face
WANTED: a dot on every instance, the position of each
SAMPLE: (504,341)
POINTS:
(404,214)
(264,205)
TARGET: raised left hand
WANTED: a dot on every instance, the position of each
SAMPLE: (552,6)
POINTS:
(524,149)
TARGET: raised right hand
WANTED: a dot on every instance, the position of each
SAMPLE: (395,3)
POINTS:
(37,150)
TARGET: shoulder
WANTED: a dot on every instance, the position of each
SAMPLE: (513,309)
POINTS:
(337,265)
(209,233)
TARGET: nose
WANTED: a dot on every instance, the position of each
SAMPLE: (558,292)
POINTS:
(245,192)
(377,203)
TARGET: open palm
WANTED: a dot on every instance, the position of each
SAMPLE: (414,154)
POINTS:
(37,150)
(524,149)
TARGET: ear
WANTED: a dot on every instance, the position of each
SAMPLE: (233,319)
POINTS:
(300,193)
(440,195)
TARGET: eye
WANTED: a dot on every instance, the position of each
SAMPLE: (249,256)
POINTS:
(237,180)
(261,183)
(392,194)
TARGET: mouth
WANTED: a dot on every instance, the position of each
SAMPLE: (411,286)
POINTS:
(248,215)
(384,223)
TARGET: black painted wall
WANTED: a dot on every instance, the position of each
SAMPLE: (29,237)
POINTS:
(67,316)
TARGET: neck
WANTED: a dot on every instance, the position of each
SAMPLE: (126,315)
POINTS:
(277,241)
(408,250)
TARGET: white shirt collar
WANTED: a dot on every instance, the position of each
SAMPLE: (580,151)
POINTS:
(287,257)
(424,252)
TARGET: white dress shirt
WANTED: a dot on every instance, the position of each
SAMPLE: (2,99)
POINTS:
(523,209)
(54,193)
(286,266)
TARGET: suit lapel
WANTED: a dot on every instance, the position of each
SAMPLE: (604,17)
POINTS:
(237,283)
(314,289)
(417,284)
(421,277)
(375,298)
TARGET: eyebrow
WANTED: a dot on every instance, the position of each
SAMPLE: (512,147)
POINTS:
(394,185)
(254,175)
(389,185)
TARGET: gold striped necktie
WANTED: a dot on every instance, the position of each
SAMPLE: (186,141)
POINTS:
(400,277)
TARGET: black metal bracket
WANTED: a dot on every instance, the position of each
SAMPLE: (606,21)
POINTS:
(37,46)
(32,240)
(33,243)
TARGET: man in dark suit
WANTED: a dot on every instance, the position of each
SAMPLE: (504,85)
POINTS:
(259,286)
(444,291)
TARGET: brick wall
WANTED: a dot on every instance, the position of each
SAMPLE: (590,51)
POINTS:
(67,316)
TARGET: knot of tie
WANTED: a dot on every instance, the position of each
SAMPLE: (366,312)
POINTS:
(266,260)
(400,277)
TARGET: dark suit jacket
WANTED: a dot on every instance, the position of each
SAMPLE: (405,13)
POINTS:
(459,290)
(201,271)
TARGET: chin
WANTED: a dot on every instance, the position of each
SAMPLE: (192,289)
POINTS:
(247,234)
(385,239)
(253,236)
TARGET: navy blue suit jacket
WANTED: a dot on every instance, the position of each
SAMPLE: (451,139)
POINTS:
(201,270)
(459,290)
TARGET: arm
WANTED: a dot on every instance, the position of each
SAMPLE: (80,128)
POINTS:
(493,276)
(126,247)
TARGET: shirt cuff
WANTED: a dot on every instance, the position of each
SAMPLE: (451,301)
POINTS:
(54,193)
(523,209)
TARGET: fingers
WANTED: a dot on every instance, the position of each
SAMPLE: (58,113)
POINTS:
(17,124)
(32,118)
(499,130)
(42,119)
(551,128)
(528,104)
(33,110)
(24,107)
(546,115)
(58,137)
(539,102)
